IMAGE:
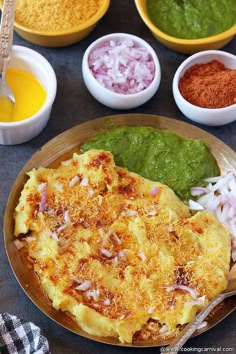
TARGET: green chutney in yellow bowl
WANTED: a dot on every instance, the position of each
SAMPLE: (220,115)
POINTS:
(192,19)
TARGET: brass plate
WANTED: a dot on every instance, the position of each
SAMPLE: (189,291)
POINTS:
(61,147)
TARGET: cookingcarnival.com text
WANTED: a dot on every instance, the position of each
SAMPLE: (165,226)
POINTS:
(200,350)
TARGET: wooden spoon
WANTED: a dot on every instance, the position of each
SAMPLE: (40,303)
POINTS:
(177,343)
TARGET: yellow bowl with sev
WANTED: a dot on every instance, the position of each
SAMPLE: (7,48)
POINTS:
(57,24)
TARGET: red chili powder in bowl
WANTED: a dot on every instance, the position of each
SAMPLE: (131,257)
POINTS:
(209,85)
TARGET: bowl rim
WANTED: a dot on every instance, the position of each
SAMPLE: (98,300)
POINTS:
(188,42)
(157,77)
(175,83)
(103,7)
(50,95)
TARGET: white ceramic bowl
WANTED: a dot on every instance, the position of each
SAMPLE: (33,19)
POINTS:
(118,100)
(23,58)
(207,116)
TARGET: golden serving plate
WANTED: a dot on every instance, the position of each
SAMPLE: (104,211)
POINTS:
(62,147)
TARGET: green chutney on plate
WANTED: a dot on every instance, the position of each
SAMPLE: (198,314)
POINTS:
(158,155)
(192,19)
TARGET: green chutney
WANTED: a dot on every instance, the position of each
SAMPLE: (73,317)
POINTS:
(158,155)
(192,19)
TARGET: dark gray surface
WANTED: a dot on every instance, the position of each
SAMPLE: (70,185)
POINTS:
(74,105)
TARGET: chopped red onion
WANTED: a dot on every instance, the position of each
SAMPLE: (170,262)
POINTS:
(122,66)
(105,252)
(154,191)
(73,181)
(84,286)
(84,182)
(107,302)
(43,202)
(93,293)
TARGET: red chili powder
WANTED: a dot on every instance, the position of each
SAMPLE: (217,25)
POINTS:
(209,85)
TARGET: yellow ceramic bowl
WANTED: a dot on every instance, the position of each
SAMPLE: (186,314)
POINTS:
(63,37)
(187,46)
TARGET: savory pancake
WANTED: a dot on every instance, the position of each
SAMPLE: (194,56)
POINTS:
(119,252)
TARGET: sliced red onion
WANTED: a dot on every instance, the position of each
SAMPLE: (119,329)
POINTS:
(84,286)
(195,191)
(222,182)
(73,181)
(198,301)
(220,199)
(212,179)
(205,198)
(191,291)
(194,205)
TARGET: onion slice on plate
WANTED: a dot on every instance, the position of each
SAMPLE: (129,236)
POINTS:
(219,197)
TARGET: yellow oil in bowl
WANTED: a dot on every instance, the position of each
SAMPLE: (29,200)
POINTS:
(29,94)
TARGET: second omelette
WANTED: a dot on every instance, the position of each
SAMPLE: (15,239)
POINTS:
(120,253)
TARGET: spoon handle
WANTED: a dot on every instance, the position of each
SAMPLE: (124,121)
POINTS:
(179,341)
(6,33)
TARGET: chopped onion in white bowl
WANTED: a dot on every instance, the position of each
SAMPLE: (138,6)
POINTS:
(219,197)
(121,71)
(122,66)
